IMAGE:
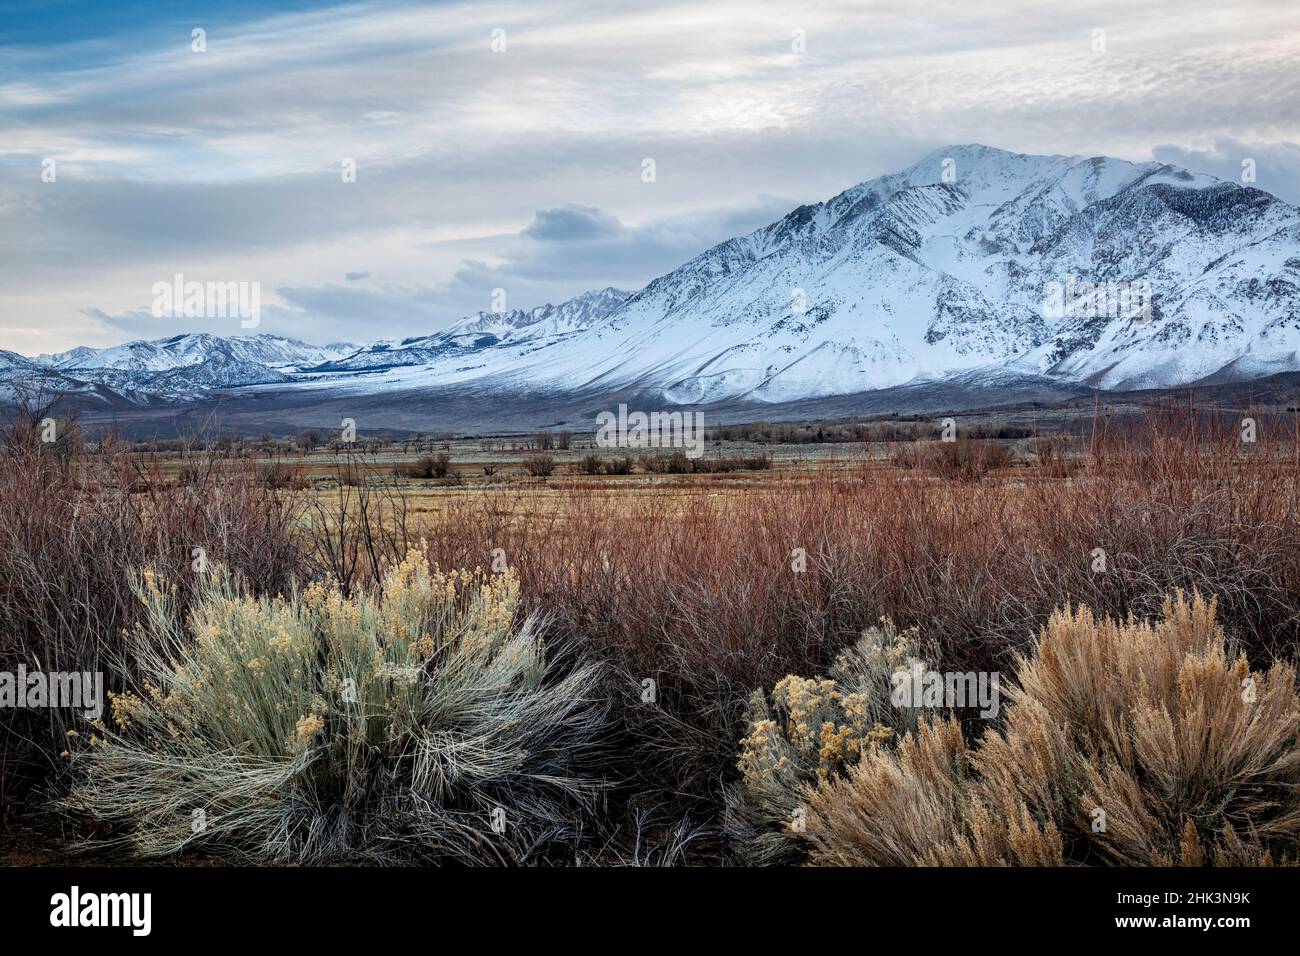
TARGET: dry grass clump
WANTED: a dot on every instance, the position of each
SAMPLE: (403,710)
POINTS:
(318,727)
(812,730)
(920,806)
(283,475)
(1050,454)
(1128,743)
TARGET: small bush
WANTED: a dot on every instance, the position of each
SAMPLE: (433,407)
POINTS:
(282,475)
(966,459)
(706,466)
(74,522)
(192,474)
(619,466)
(430,466)
(813,729)
(540,466)
(351,476)
(675,463)
(590,464)
(319,727)
(1130,743)
(906,455)
(1050,453)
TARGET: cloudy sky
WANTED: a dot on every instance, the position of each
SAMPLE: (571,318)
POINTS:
(521,167)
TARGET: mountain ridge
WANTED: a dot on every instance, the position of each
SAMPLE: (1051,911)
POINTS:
(939,270)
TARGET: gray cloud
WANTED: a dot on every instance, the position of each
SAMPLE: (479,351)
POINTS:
(1276,165)
(586,243)
(574,221)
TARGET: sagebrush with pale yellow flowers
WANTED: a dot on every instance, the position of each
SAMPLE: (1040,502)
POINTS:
(321,726)
(812,729)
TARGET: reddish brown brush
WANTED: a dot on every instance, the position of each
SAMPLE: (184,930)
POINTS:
(700,592)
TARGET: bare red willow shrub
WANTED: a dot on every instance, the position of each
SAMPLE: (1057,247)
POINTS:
(966,459)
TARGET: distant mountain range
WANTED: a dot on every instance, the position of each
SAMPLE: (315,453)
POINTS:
(951,269)
(167,370)
(181,351)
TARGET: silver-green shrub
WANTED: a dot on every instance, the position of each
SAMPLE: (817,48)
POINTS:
(420,721)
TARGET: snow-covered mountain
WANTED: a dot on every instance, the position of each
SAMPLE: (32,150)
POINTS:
(946,268)
(184,366)
(974,263)
(949,266)
(179,351)
(30,381)
(488,332)
(11,363)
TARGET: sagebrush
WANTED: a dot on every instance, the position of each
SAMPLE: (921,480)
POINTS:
(317,726)
(1125,742)
(813,729)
